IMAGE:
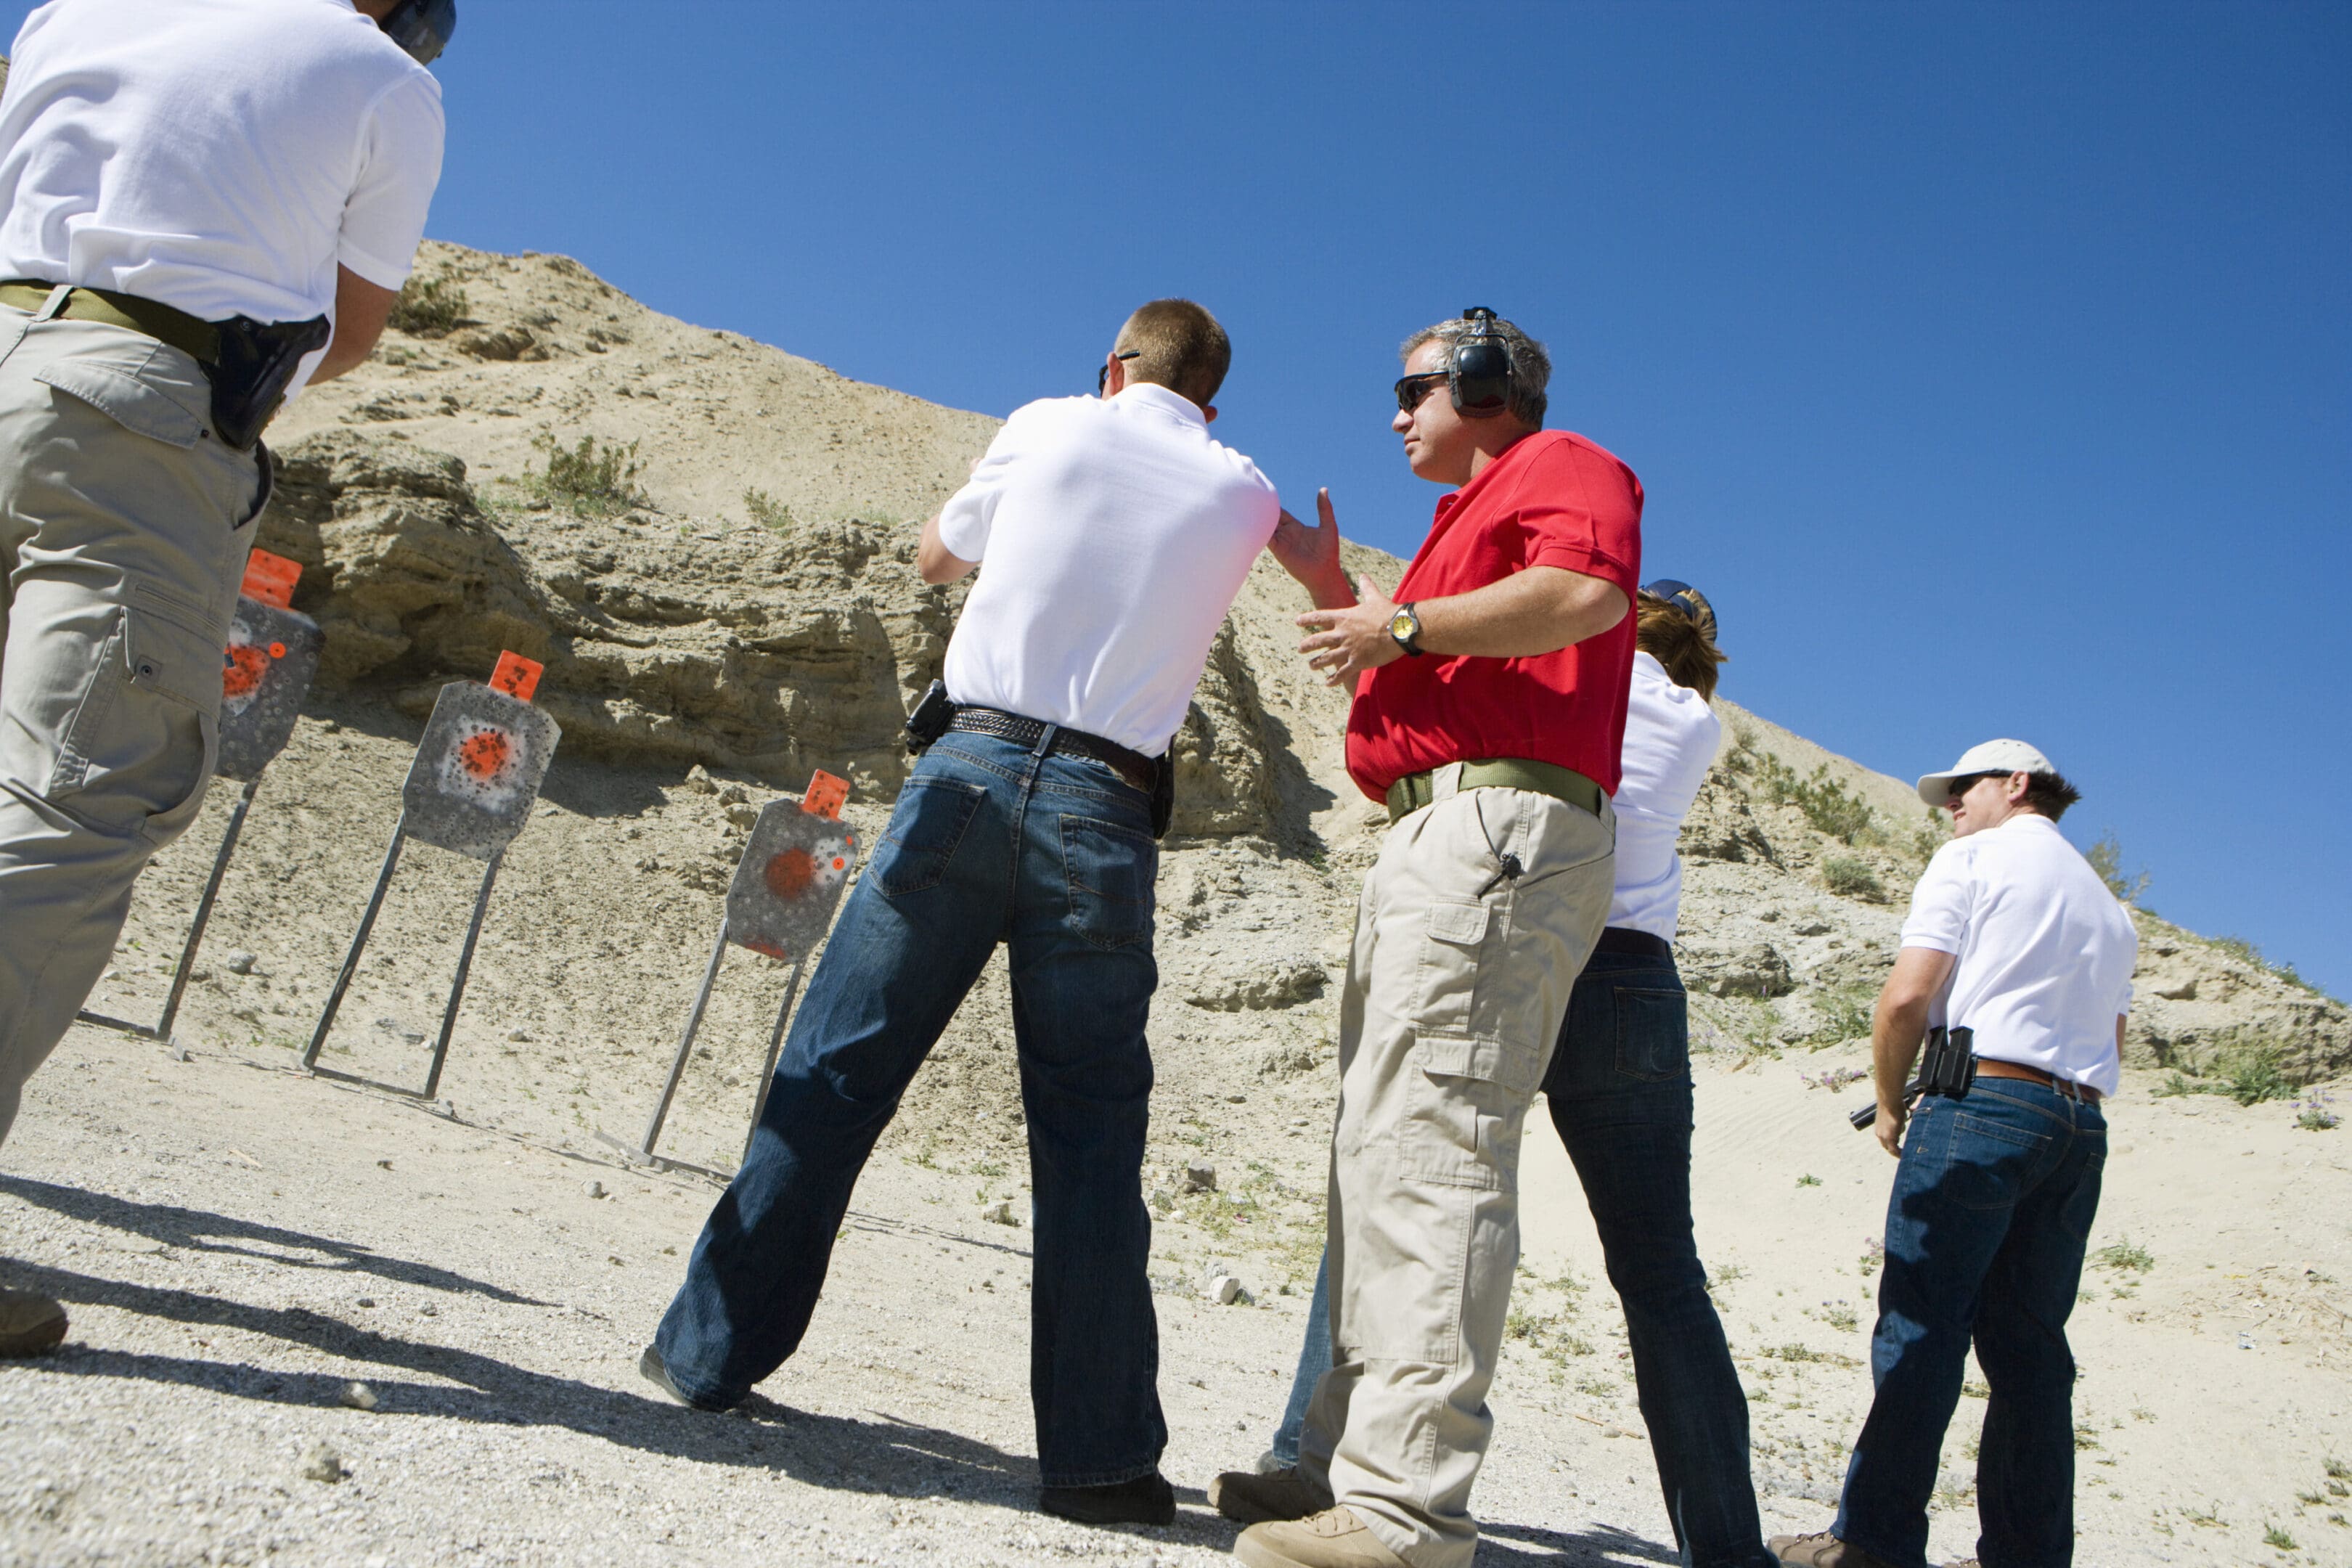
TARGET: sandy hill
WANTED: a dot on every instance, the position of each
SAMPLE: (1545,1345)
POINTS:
(709,543)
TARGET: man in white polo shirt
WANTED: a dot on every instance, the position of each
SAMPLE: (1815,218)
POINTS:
(206,203)
(1116,534)
(2013,937)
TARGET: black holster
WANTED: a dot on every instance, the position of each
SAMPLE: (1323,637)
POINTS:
(1163,793)
(1947,1067)
(930,718)
(256,361)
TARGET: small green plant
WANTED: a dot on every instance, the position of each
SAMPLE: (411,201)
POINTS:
(2279,1538)
(428,308)
(1827,803)
(1850,877)
(595,478)
(1808,1180)
(2246,1068)
(2107,858)
(1840,1316)
(1926,840)
(1845,1014)
(2245,951)
(768,511)
(2126,1255)
(2317,1113)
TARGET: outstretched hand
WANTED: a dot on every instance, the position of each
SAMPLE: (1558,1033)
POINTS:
(1312,555)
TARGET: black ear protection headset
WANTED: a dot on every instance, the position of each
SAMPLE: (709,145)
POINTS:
(1478,372)
(421,28)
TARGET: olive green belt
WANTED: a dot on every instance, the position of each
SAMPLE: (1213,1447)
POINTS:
(198,339)
(1413,791)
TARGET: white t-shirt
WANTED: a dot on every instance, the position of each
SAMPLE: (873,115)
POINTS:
(219,156)
(1116,534)
(2045,951)
(1671,735)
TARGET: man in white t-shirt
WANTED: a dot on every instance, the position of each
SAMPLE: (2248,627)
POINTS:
(2013,937)
(206,201)
(1114,533)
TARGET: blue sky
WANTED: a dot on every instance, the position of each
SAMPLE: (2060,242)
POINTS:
(1988,365)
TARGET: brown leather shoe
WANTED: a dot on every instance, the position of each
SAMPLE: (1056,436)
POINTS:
(1336,1538)
(1253,1498)
(29,1323)
(1822,1550)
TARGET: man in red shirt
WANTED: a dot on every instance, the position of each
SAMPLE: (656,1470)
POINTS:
(1489,709)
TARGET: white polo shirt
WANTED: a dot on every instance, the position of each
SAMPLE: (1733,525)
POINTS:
(2045,951)
(219,156)
(1671,735)
(1114,534)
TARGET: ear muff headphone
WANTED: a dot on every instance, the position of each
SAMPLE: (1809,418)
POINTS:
(1479,373)
(421,28)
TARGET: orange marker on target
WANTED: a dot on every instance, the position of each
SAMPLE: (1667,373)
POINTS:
(270,579)
(515,676)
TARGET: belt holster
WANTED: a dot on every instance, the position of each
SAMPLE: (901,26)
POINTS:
(256,361)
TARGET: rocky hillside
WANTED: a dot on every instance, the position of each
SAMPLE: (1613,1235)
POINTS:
(709,545)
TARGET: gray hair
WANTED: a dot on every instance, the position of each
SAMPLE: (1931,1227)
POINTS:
(1530,366)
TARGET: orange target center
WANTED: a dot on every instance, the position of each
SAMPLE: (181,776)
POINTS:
(790,873)
(241,670)
(484,753)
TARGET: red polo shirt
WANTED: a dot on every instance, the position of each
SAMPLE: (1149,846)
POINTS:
(1551,499)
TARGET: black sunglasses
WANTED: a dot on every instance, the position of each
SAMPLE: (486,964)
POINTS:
(1412,389)
(1967,781)
(1102,372)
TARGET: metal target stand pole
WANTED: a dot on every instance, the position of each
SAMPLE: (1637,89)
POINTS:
(180,977)
(775,1048)
(465,967)
(685,1045)
(358,942)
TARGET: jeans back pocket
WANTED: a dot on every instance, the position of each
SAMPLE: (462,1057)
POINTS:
(1652,1032)
(1110,870)
(927,824)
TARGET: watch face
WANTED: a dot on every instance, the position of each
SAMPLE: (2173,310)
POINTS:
(1401,624)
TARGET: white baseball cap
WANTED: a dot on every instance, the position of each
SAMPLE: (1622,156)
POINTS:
(1993,757)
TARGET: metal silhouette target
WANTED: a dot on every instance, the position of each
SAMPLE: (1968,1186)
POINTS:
(479,768)
(781,899)
(265,672)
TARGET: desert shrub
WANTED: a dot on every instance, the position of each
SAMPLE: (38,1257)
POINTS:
(595,478)
(428,308)
(1934,835)
(767,511)
(2246,1069)
(2126,1256)
(1853,879)
(1827,803)
(2107,858)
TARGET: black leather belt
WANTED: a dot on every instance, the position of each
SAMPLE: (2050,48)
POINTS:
(1634,943)
(1137,769)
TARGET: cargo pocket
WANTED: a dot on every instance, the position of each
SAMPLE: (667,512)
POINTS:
(1110,870)
(122,386)
(925,826)
(1449,968)
(141,744)
(1461,1118)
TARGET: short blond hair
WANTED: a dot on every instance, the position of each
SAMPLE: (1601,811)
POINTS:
(1179,345)
(1667,632)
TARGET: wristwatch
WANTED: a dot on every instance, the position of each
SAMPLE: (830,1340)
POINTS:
(1405,626)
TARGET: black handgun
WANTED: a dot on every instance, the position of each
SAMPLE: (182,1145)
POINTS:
(255,364)
(1947,1067)
(930,720)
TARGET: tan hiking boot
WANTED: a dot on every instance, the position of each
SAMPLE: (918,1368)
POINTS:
(1336,1538)
(29,1323)
(1822,1550)
(1256,1498)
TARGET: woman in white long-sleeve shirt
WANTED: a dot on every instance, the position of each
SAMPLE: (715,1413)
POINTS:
(1620,1093)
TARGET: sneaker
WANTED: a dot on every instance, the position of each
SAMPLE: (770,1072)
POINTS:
(1336,1538)
(651,1368)
(1146,1499)
(1269,1494)
(30,1322)
(1822,1550)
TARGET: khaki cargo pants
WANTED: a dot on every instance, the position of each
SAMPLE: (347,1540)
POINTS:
(123,536)
(1455,996)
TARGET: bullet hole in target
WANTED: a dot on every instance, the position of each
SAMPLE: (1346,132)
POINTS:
(242,667)
(484,753)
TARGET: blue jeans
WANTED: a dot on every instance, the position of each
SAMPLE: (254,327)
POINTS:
(989,842)
(1992,1207)
(1620,1091)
